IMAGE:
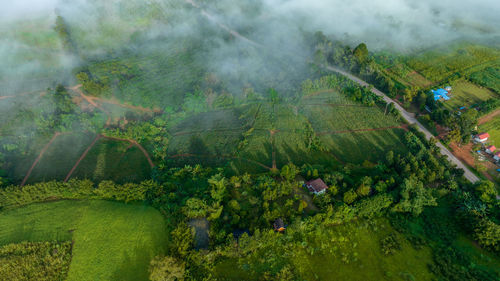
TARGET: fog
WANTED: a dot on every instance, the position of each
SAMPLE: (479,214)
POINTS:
(278,25)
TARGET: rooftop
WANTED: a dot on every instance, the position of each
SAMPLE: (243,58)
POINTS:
(317,185)
(483,136)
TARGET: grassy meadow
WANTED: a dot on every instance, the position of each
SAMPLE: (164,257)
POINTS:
(112,241)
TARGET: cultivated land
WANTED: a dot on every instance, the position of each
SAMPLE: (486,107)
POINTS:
(467,94)
(111,241)
(349,131)
(154,104)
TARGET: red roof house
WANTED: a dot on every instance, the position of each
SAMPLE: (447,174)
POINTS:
(316,186)
(482,137)
(491,149)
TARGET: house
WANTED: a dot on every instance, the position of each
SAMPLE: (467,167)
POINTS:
(483,137)
(490,149)
(497,156)
(278,225)
(316,186)
(440,94)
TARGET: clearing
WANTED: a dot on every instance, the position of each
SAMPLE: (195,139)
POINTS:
(112,241)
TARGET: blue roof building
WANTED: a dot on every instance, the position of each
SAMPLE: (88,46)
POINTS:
(440,93)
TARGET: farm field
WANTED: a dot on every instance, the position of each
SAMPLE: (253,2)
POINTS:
(488,77)
(438,64)
(112,241)
(465,93)
(431,66)
(349,131)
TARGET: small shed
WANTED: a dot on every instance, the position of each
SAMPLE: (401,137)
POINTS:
(316,186)
(497,156)
(278,225)
(482,137)
(490,149)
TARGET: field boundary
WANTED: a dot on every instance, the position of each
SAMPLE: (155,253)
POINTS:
(40,155)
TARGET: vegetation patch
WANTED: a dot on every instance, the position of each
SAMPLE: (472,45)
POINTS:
(467,94)
(111,241)
(44,261)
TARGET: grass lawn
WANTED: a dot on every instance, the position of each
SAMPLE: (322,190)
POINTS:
(466,94)
(493,128)
(112,241)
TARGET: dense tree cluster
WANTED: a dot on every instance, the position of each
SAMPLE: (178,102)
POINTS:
(44,261)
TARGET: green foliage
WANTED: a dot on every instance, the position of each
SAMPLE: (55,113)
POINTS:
(124,237)
(487,234)
(414,197)
(350,196)
(14,196)
(195,208)
(166,269)
(361,52)
(486,191)
(35,261)
(182,240)
(390,244)
(62,29)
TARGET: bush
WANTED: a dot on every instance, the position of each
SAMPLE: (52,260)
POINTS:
(390,244)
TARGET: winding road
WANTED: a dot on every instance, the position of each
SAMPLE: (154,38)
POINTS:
(409,117)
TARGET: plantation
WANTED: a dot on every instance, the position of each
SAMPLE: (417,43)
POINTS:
(488,77)
(112,241)
(467,94)
(437,65)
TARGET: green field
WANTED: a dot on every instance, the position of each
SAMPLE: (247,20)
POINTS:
(112,241)
(493,128)
(488,77)
(351,252)
(466,94)
(440,63)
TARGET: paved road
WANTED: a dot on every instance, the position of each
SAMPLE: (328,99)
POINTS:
(410,117)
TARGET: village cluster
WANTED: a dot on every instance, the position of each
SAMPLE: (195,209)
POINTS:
(482,139)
